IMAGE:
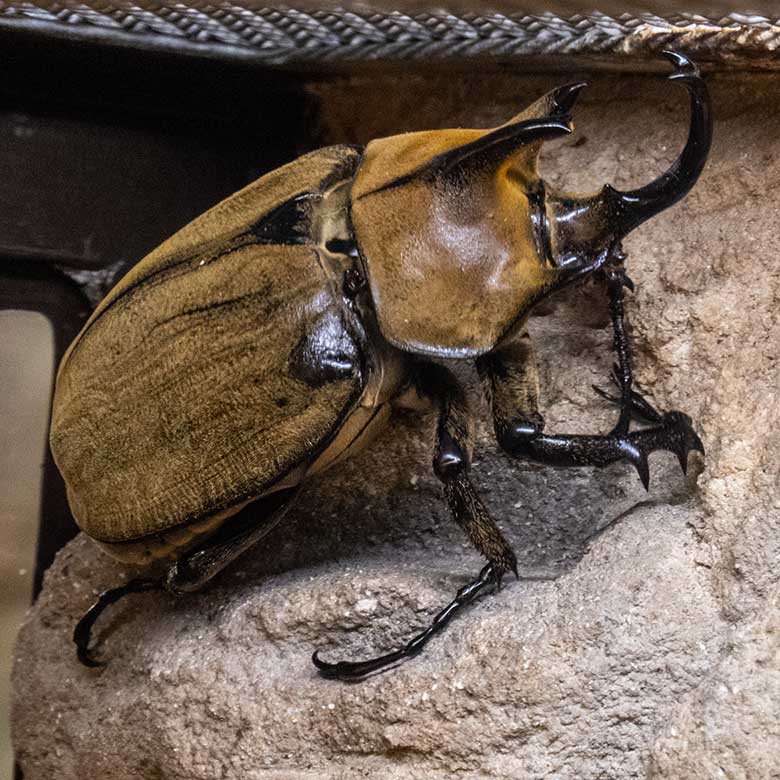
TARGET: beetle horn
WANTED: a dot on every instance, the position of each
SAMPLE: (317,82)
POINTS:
(491,147)
(563,98)
(548,118)
(634,207)
(428,155)
(500,143)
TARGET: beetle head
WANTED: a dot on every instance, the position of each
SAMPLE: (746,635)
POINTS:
(460,237)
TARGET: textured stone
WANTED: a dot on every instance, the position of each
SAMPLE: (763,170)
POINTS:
(730,726)
(642,638)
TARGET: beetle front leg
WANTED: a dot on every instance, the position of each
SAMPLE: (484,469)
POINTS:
(451,462)
(511,382)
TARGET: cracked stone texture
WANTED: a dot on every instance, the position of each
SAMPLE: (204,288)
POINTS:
(642,640)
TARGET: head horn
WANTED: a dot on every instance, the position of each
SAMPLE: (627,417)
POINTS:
(634,207)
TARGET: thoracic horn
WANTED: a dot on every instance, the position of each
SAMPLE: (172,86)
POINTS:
(488,149)
(632,208)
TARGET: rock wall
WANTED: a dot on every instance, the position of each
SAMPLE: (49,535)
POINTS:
(642,640)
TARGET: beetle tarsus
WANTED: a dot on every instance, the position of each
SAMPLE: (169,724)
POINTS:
(345,670)
(673,430)
(85,658)
(616,283)
(639,407)
(83,631)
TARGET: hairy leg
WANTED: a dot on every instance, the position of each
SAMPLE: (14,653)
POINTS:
(451,462)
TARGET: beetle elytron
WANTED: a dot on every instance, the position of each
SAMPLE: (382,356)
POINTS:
(270,338)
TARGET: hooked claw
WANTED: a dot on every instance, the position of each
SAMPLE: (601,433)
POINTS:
(685,68)
(671,431)
(83,631)
(682,439)
(674,434)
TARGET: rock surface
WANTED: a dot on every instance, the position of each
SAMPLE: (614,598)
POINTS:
(643,639)
(729,727)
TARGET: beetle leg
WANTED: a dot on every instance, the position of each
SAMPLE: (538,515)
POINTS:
(511,381)
(616,281)
(353,669)
(83,631)
(195,568)
(451,463)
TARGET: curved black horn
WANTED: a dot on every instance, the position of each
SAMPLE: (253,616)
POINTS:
(496,145)
(638,205)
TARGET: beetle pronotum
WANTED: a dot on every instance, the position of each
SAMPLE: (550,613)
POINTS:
(271,337)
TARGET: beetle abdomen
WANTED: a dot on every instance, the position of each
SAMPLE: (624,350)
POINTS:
(179,400)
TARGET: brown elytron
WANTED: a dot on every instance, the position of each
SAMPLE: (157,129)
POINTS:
(167,400)
(269,339)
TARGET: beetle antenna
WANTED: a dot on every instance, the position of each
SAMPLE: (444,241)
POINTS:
(82,632)
(355,669)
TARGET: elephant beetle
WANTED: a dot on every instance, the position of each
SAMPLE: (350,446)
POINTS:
(270,338)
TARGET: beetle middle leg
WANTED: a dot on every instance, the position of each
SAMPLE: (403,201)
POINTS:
(451,462)
(196,567)
(511,383)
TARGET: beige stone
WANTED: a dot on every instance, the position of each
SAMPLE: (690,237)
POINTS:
(653,651)
(729,726)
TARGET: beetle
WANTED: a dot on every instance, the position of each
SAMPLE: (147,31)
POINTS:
(270,338)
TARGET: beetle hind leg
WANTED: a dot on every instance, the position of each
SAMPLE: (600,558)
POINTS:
(240,532)
(82,633)
(196,567)
(451,462)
